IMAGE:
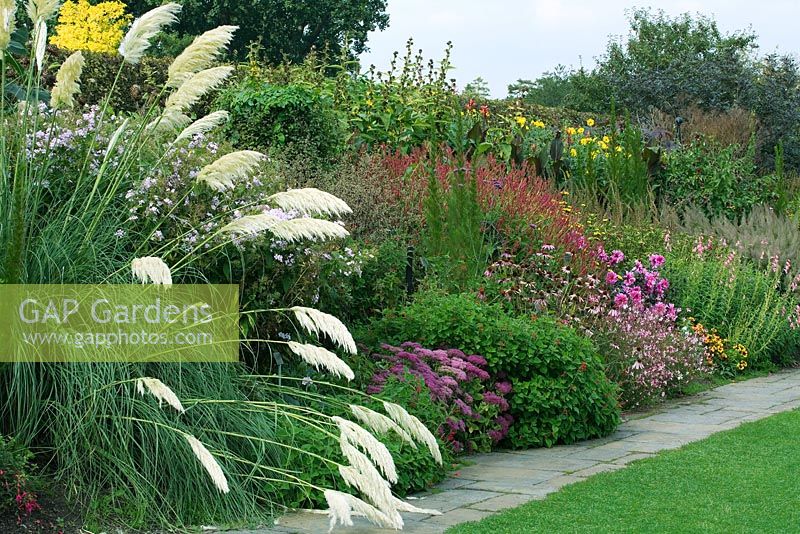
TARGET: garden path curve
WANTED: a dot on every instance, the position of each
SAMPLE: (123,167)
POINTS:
(495,481)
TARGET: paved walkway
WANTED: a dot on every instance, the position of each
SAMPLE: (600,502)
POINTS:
(499,480)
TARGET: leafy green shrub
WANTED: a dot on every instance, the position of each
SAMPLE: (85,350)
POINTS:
(15,481)
(714,177)
(560,392)
(264,116)
(137,85)
(740,301)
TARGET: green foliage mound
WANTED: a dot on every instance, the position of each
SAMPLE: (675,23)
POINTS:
(561,393)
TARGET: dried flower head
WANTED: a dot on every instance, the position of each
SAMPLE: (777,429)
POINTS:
(151,269)
(310,201)
(160,391)
(209,463)
(316,322)
(200,54)
(137,40)
(67,82)
(223,173)
(319,357)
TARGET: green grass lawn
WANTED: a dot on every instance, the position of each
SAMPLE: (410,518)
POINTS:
(743,480)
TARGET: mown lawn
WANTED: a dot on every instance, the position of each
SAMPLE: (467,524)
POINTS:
(743,480)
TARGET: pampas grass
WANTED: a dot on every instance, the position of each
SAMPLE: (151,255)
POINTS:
(355,435)
(209,463)
(41,9)
(202,126)
(229,169)
(137,40)
(151,269)
(8,19)
(196,87)
(342,506)
(317,322)
(40,43)
(371,485)
(200,54)
(414,427)
(159,390)
(307,229)
(377,422)
(321,358)
(63,94)
(310,201)
(250,225)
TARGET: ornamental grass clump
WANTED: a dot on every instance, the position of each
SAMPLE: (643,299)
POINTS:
(477,408)
(93,197)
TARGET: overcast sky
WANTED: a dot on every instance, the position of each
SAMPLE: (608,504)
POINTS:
(503,40)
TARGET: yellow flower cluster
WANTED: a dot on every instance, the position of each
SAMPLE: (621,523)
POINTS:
(93,28)
(522,122)
(718,352)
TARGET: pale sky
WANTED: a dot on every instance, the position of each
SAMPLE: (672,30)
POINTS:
(503,40)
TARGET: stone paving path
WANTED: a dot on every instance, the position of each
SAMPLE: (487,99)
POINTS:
(499,480)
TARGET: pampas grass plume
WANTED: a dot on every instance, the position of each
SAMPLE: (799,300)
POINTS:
(151,269)
(194,88)
(250,225)
(378,422)
(8,19)
(200,54)
(357,436)
(41,10)
(67,82)
(223,173)
(209,463)
(160,391)
(306,228)
(137,40)
(203,125)
(414,427)
(311,201)
(316,322)
(319,357)
(341,507)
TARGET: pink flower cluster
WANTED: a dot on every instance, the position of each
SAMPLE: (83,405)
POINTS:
(477,408)
(647,354)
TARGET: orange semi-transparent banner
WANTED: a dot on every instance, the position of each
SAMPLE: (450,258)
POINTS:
(119,323)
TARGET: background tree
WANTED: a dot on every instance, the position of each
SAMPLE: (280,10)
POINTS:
(285,29)
(478,89)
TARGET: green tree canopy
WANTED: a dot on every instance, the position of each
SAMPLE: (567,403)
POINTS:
(285,29)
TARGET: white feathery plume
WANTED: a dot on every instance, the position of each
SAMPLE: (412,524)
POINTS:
(414,427)
(40,42)
(321,357)
(152,269)
(200,54)
(67,82)
(341,507)
(250,225)
(160,391)
(193,89)
(357,436)
(223,173)
(41,9)
(8,19)
(202,125)
(310,201)
(112,143)
(316,322)
(137,40)
(378,422)
(170,119)
(209,463)
(372,486)
(404,506)
(306,228)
